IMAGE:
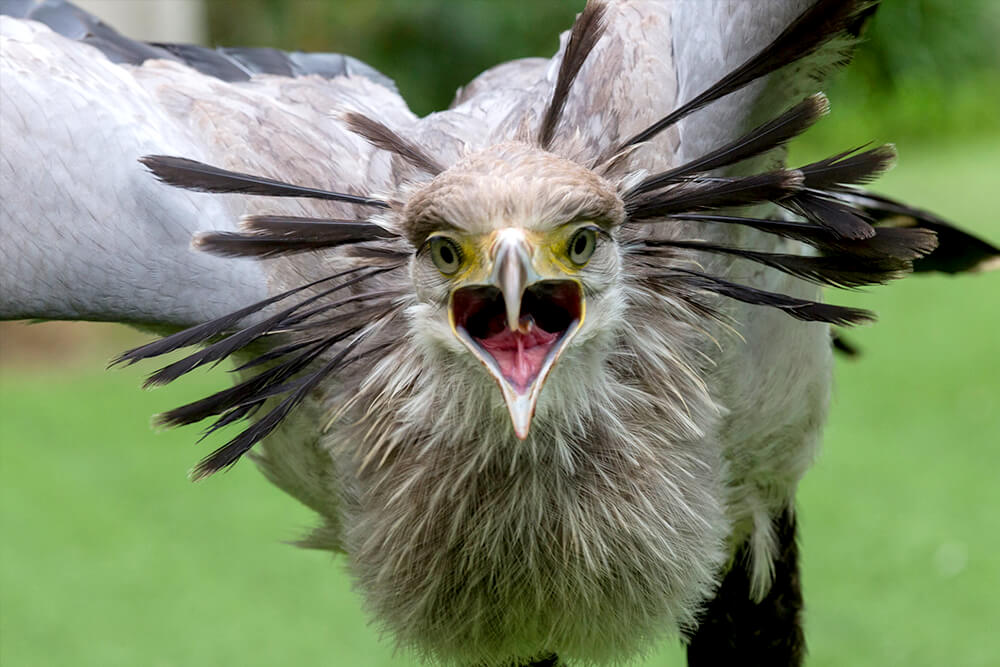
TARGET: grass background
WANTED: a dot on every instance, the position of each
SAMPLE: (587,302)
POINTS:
(109,556)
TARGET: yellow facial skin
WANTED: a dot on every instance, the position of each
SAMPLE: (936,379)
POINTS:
(551,252)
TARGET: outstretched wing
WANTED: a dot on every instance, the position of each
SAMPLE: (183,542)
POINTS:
(733,66)
(88,232)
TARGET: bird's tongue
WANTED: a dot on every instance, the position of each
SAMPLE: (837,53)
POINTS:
(520,355)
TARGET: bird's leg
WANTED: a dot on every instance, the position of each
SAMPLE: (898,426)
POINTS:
(735,630)
(551,660)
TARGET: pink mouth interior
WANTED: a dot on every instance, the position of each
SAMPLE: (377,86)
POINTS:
(520,355)
(548,310)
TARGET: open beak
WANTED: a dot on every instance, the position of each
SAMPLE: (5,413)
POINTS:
(517,324)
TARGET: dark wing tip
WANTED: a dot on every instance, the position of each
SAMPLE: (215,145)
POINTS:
(844,346)
(956,251)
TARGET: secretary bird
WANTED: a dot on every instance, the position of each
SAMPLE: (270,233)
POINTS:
(549,364)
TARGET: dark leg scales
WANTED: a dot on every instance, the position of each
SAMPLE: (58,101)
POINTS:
(549,661)
(734,630)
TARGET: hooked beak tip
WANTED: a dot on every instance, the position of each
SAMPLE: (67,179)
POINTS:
(521,407)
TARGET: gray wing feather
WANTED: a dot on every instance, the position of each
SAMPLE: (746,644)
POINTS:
(228,64)
(516,75)
(89,234)
(718,37)
(657,55)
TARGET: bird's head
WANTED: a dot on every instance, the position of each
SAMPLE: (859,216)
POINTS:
(515,262)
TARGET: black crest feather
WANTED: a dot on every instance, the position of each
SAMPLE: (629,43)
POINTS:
(273,236)
(286,373)
(822,209)
(193,175)
(277,322)
(800,309)
(853,167)
(233,450)
(901,243)
(203,332)
(823,21)
(766,137)
(380,136)
(247,391)
(821,179)
(713,193)
(285,361)
(586,32)
(833,271)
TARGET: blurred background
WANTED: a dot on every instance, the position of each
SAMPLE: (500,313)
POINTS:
(110,557)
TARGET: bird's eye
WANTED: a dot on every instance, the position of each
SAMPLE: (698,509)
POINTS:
(446,255)
(582,246)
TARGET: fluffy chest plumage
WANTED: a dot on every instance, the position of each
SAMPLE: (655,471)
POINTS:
(461,535)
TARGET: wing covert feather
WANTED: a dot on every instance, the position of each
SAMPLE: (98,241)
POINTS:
(87,234)
(90,234)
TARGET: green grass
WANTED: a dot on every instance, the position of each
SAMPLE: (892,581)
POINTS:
(111,557)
